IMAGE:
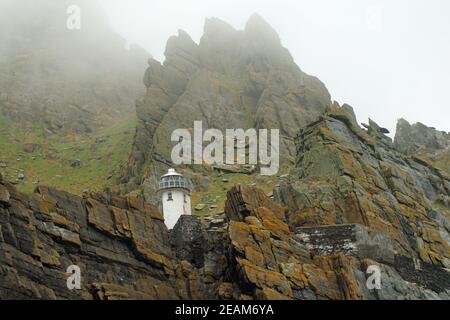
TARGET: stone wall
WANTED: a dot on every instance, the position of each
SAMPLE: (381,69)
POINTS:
(349,239)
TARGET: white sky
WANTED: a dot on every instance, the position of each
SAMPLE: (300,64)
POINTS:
(386,58)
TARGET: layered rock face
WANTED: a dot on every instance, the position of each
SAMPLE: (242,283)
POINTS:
(353,202)
(67,80)
(276,261)
(349,175)
(428,143)
(231,79)
(121,246)
(124,251)
(42,235)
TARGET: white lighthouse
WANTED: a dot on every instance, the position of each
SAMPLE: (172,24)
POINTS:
(175,193)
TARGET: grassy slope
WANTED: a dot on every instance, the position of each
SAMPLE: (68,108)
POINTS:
(100,162)
(216,194)
(442,160)
(51,162)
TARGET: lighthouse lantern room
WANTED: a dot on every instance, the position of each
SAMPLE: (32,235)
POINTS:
(175,191)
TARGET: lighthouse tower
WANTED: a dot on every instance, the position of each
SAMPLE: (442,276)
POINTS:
(175,191)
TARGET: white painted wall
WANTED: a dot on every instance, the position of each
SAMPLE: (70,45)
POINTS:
(172,210)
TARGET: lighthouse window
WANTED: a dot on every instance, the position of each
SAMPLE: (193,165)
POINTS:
(169,196)
(184,197)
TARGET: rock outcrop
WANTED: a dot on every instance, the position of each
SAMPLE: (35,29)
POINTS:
(231,79)
(189,240)
(124,251)
(425,142)
(274,261)
(348,175)
(120,245)
(411,139)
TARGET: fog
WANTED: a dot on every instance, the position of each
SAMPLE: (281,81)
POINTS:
(388,59)
(70,80)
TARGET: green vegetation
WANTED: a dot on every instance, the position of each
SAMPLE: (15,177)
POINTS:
(443,162)
(75,163)
(216,194)
(69,162)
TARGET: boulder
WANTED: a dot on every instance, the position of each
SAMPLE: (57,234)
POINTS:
(76,163)
(189,240)
(200,207)
(30,147)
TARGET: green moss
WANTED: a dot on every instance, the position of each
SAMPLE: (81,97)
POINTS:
(217,192)
(100,154)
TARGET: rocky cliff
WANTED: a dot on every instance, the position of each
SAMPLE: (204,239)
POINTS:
(427,142)
(352,202)
(349,175)
(70,81)
(231,79)
(418,137)
(121,246)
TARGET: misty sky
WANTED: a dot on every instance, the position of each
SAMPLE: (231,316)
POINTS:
(386,58)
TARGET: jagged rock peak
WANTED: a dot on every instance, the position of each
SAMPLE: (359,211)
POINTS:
(257,27)
(183,34)
(411,138)
(180,42)
(217,27)
(257,37)
(231,79)
(344,113)
(227,50)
